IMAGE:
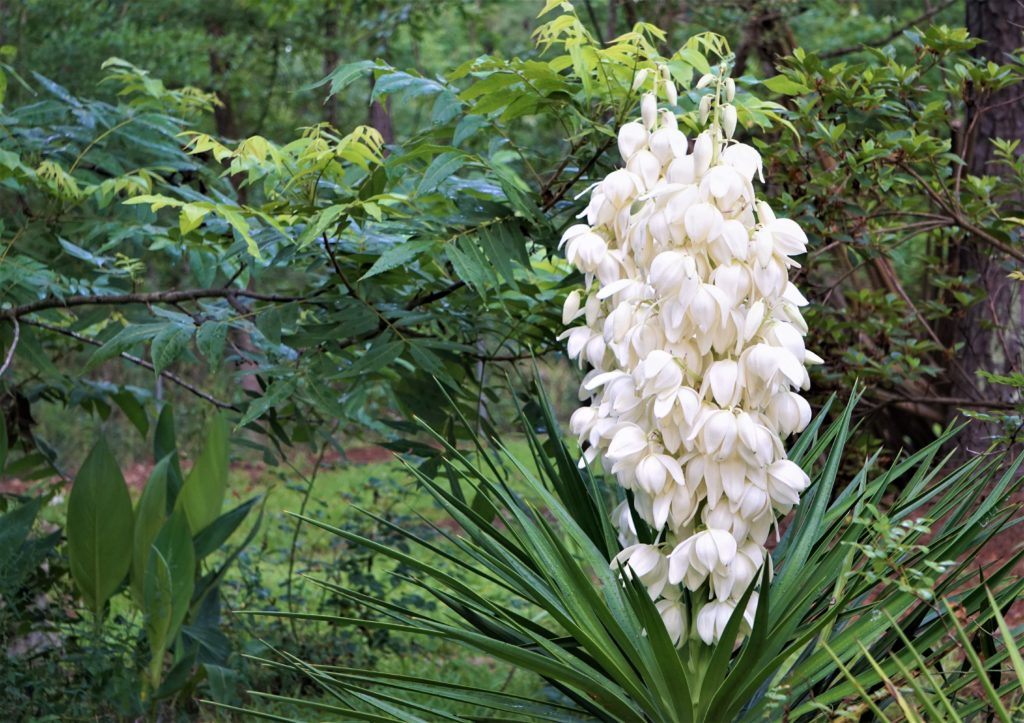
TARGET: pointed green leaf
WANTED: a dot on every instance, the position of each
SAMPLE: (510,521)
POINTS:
(99,528)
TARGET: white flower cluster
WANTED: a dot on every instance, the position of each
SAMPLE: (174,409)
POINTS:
(694,337)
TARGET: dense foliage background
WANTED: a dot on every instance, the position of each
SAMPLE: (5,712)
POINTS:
(306,225)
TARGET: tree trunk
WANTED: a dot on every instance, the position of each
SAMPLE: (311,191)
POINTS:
(991,331)
(223,114)
(331,58)
(380,117)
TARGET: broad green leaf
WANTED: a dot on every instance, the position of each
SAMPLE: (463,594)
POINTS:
(133,409)
(166,445)
(219,531)
(99,528)
(785,86)
(202,494)
(150,514)
(168,585)
(210,340)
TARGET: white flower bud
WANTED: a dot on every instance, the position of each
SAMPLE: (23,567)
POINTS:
(639,79)
(704,109)
(703,150)
(728,120)
(649,110)
(730,90)
(571,308)
(705,80)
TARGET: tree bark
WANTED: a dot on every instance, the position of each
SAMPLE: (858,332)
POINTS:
(991,331)
(380,116)
(331,58)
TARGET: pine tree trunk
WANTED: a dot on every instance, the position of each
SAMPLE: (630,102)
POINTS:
(992,331)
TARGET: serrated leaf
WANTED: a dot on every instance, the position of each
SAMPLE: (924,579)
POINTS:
(238,222)
(377,357)
(439,170)
(210,340)
(268,322)
(191,217)
(397,255)
(467,128)
(169,344)
(276,393)
(128,337)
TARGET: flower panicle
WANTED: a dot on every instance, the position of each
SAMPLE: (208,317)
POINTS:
(694,339)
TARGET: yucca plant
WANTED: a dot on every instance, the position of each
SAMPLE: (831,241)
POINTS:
(853,579)
(982,683)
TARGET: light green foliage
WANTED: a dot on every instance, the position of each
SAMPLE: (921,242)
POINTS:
(986,679)
(202,494)
(897,543)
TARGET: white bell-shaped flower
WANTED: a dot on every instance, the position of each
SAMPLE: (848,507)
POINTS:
(694,337)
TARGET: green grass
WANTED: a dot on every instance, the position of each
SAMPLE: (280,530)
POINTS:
(259,580)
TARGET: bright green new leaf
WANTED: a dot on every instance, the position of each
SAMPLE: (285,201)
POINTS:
(785,86)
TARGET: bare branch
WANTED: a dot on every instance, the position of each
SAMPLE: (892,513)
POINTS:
(891,36)
(14,345)
(169,376)
(154,297)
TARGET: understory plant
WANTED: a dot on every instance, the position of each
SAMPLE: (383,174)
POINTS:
(667,597)
(540,529)
(121,609)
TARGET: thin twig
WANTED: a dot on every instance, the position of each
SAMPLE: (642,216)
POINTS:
(958,218)
(548,205)
(169,376)
(430,298)
(14,345)
(154,297)
(891,36)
